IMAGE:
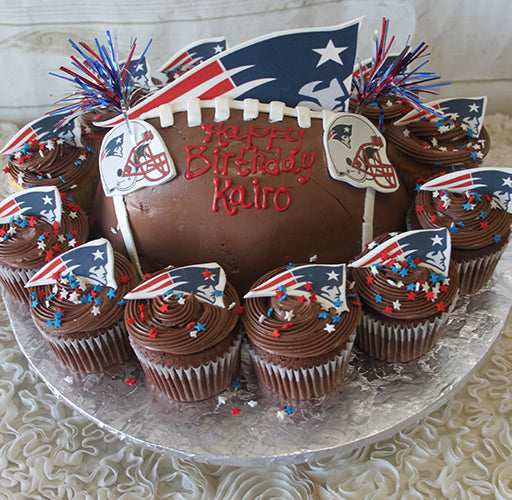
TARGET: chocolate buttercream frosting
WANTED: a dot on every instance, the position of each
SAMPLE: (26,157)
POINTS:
(406,289)
(442,143)
(73,307)
(296,331)
(51,163)
(181,324)
(29,242)
(473,219)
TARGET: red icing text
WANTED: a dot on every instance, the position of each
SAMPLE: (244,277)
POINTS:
(281,153)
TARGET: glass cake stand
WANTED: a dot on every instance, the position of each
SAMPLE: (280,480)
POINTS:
(247,424)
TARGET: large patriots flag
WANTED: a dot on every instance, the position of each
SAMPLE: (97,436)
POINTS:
(326,281)
(469,111)
(495,182)
(192,55)
(205,281)
(312,67)
(92,261)
(46,128)
(431,246)
(41,202)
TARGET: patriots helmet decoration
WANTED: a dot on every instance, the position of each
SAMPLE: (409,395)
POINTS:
(133,156)
(356,153)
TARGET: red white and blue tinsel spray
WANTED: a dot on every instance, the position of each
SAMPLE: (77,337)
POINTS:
(101,80)
(395,79)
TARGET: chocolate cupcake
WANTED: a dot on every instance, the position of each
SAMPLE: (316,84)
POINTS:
(469,205)
(408,287)
(77,305)
(36,225)
(422,145)
(301,329)
(183,326)
(73,170)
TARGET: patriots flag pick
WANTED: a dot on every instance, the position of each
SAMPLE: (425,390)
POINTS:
(139,71)
(327,281)
(205,281)
(309,67)
(92,261)
(41,202)
(431,246)
(193,54)
(495,182)
(46,128)
(469,111)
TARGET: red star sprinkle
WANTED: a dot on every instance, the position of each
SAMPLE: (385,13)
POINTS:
(287,325)
(312,297)
(190,325)
(301,299)
(207,274)
(433,219)
(124,279)
(146,276)
(164,307)
(153,333)
(484,224)
(235,411)
(443,288)
(388,310)
(308,286)
(130,381)
(240,310)
(130,321)
(275,333)
(411,295)
(420,208)
(370,279)
(279,294)
(441,306)
(429,295)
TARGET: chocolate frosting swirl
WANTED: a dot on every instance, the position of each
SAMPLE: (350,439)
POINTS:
(52,163)
(29,243)
(417,294)
(64,302)
(304,335)
(473,219)
(181,325)
(430,142)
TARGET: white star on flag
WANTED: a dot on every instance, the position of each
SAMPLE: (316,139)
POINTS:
(330,53)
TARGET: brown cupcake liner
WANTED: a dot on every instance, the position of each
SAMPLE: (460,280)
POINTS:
(475,273)
(193,383)
(396,342)
(14,281)
(303,383)
(104,349)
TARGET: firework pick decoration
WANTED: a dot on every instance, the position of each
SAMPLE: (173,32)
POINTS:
(101,80)
(389,75)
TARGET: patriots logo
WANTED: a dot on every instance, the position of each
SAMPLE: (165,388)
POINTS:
(495,182)
(206,281)
(469,111)
(342,133)
(192,55)
(431,246)
(55,125)
(287,66)
(41,202)
(92,261)
(326,281)
(114,147)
